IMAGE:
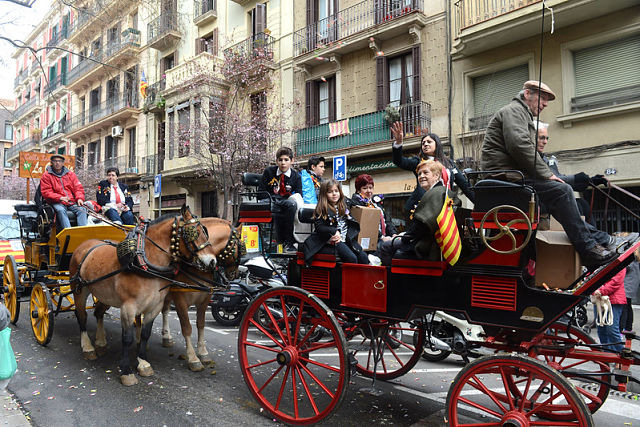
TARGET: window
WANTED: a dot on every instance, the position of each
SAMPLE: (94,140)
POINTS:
(401,80)
(167,63)
(8,131)
(62,149)
(80,157)
(607,74)
(132,147)
(7,164)
(208,43)
(95,47)
(327,25)
(94,153)
(258,17)
(110,148)
(321,101)
(259,116)
(183,132)
(134,20)
(493,91)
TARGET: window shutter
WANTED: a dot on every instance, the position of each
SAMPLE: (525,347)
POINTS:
(609,66)
(311,15)
(214,42)
(260,18)
(309,103)
(382,83)
(332,99)
(493,91)
(417,62)
(200,46)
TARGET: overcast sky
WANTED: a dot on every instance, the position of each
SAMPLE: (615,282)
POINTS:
(16,22)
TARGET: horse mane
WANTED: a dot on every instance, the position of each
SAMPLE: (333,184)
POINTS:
(163,218)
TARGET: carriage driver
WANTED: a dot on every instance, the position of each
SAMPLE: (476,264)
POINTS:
(61,188)
(510,143)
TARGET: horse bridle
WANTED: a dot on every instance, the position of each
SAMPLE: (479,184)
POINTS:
(189,230)
(233,250)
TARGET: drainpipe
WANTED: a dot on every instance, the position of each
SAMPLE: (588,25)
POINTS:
(449,78)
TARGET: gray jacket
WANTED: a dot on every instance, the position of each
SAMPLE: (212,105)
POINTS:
(632,279)
(509,142)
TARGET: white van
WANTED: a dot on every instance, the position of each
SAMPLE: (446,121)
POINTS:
(10,243)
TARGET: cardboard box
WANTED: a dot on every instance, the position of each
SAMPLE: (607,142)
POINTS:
(558,264)
(369,220)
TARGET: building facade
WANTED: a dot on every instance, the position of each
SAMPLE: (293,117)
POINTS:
(591,61)
(6,134)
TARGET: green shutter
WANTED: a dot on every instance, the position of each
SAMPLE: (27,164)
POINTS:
(609,66)
(493,91)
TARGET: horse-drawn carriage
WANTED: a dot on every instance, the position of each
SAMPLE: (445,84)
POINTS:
(43,278)
(376,320)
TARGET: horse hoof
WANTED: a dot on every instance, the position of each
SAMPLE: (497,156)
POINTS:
(101,351)
(168,342)
(195,366)
(205,359)
(128,380)
(146,371)
(89,355)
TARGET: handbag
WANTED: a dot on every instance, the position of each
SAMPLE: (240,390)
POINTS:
(8,364)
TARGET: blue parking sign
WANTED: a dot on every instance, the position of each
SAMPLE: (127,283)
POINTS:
(340,168)
(157,185)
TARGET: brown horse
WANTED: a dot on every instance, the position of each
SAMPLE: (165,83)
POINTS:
(96,269)
(183,299)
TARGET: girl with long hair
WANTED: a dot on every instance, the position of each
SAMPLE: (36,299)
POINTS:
(334,230)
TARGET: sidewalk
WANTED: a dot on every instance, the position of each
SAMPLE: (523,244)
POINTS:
(11,414)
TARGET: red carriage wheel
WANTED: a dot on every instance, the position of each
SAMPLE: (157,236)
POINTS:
(556,336)
(295,378)
(486,387)
(397,345)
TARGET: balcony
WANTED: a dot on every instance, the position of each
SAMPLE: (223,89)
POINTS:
(103,116)
(35,66)
(25,145)
(93,18)
(56,41)
(199,70)
(351,29)
(20,77)
(151,165)
(162,32)
(27,107)
(205,11)
(154,102)
(117,52)
(253,51)
(129,166)
(367,130)
(55,129)
(57,83)
(86,72)
(481,24)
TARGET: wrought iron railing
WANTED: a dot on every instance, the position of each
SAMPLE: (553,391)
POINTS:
(21,110)
(153,93)
(57,82)
(201,7)
(24,145)
(472,12)
(129,37)
(349,21)
(92,61)
(260,45)
(55,128)
(100,111)
(125,164)
(167,21)
(151,165)
(62,35)
(364,129)
(20,77)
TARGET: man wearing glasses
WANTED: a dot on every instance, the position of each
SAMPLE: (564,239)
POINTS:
(61,188)
(510,143)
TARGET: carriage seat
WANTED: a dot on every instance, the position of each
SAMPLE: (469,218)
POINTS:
(46,215)
(28,219)
(305,215)
(493,192)
(258,208)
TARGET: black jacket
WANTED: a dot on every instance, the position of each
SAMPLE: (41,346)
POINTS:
(411,163)
(390,229)
(103,195)
(323,229)
(270,182)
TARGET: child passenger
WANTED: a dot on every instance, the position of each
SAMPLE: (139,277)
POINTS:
(334,228)
(281,182)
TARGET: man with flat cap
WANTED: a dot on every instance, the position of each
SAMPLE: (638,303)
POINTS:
(61,188)
(510,143)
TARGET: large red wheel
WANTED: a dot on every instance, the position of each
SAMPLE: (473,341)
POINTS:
(556,336)
(397,346)
(485,387)
(293,377)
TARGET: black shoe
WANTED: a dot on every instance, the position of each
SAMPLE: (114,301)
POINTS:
(597,256)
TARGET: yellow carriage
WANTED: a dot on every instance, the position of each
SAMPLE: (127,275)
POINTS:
(43,278)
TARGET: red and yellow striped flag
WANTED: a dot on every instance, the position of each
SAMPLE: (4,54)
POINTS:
(11,247)
(447,235)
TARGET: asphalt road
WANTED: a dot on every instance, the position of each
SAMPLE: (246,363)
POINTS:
(56,386)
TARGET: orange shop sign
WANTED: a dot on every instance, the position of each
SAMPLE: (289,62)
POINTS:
(33,164)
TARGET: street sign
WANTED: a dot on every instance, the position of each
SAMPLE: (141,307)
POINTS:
(157,185)
(340,168)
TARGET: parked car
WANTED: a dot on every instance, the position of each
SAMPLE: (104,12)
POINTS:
(10,243)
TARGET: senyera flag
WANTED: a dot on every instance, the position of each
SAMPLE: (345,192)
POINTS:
(143,85)
(447,235)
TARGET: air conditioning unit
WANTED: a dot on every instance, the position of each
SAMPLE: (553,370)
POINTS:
(116,131)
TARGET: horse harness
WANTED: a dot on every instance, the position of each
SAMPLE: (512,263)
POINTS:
(132,256)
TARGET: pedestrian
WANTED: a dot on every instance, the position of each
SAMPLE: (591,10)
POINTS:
(614,289)
(8,363)
(631,283)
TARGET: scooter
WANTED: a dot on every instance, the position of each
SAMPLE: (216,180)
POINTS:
(448,333)
(256,275)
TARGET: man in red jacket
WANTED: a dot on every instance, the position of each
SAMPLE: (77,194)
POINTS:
(61,188)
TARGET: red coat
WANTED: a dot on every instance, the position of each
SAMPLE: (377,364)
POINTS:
(54,186)
(614,288)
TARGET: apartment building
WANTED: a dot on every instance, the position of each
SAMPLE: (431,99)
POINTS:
(353,59)
(591,61)
(41,99)
(186,44)
(6,134)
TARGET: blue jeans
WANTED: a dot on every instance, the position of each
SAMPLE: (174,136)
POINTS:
(125,218)
(611,333)
(63,219)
